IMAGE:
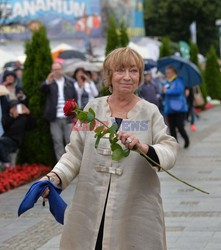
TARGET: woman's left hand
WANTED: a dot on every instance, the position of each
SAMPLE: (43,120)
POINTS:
(131,141)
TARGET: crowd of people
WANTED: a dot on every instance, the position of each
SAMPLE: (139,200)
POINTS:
(168,93)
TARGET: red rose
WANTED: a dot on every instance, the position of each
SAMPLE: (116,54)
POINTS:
(69,107)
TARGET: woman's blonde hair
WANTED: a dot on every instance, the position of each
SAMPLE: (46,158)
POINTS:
(122,57)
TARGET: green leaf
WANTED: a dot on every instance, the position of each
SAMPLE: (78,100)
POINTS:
(91,111)
(92,125)
(97,141)
(117,152)
(126,152)
(82,116)
(113,128)
(98,130)
(90,117)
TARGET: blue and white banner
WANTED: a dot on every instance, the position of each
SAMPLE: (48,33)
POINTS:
(62,18)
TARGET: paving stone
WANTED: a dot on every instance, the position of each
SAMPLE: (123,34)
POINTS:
(193,219)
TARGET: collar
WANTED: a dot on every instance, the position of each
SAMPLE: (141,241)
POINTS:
(172,78)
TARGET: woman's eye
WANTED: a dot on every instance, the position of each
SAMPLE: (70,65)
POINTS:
(134,71)
(120,70)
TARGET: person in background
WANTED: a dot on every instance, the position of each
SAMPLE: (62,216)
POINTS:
(16,121)
(190,113)
(3,106)
(58,89)
(149,90)
(15,91)
(85,87)
(175,107)
(18,72)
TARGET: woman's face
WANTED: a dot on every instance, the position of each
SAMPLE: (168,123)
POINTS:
(80,75)
(125,80)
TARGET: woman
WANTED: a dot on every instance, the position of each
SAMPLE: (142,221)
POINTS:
(175,104)
(117,205)
(85,88)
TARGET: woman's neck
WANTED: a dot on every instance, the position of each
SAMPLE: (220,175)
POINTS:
(122,99)
(121,105)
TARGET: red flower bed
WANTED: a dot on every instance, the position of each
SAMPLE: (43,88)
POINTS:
(21,174)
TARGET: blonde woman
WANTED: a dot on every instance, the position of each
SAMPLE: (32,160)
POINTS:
(117,205)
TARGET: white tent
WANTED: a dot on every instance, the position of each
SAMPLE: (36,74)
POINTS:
(62,46)
(6,57)
(140,49)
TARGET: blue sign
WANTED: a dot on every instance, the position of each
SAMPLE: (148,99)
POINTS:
(62,18)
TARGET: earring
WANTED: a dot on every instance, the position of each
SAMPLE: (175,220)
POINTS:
(110,89)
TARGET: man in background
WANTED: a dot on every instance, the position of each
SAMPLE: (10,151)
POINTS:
(58,89)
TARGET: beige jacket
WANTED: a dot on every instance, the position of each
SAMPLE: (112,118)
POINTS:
(134,214)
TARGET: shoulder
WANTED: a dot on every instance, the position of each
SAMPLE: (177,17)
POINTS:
(148,108)
(68,79)
(98,102)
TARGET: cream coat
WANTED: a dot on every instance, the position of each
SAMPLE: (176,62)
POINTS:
(134,214)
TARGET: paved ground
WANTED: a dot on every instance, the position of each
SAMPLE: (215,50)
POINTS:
(193,219)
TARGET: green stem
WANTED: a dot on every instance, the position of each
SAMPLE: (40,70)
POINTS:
(102,123)
(158,165)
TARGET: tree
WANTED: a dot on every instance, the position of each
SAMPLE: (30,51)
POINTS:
(112,36)
(165,49)
(173,18)
(123,36)
(37,146)
(194,53)
(212,75)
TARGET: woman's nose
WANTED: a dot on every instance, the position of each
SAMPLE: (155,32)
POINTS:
(127,74)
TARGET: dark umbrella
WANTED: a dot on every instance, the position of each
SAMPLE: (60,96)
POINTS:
(149,64)
(69,54)
(188,71)
(11,64)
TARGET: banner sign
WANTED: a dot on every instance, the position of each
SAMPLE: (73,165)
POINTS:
(62,18)
(68,18)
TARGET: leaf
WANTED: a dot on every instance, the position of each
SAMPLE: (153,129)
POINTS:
(117,152)
(126,152)
(92,125)
(97,141)
(113,128)
(82,116)
(91,111)
(98,130)
(90,117)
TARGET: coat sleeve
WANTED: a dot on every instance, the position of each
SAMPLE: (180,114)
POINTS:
(165,145)
(177,88)
(45,87)
(68,166)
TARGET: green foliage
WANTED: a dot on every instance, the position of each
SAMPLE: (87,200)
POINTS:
(112,36)
(123,37)
(37,146)
(212,75)
(194,58)
(194,53)
(116,38)
(165,49)
(173,18)
(117,151)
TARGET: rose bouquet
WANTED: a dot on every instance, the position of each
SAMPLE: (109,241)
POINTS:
(89,117)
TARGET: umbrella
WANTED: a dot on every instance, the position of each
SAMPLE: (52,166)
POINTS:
(188,71)
(149,64)
(68,54)
(88,66)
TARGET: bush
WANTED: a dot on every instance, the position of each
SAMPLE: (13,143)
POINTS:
(37,146)
(212,75)
(165,49)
